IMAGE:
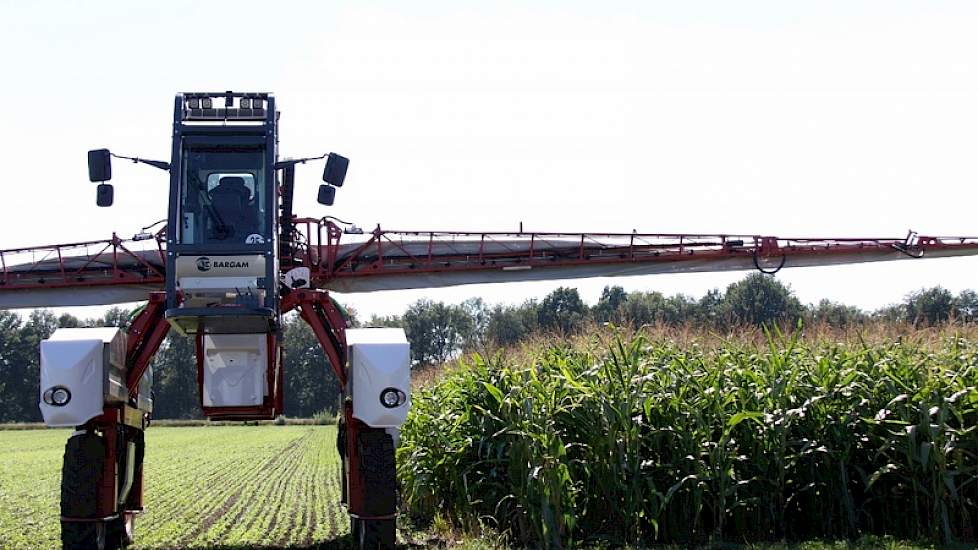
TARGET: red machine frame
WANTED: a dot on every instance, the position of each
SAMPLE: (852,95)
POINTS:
(318,310)
(147,332)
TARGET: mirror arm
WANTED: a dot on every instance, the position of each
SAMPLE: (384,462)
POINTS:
(156,163)
(292,162)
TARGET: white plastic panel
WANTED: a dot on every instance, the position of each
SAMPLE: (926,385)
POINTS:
(111,336)
(89,362)
(230,283)
(380,358)
(235,367)
(145,400)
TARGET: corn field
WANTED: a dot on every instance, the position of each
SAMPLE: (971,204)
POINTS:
(638,438)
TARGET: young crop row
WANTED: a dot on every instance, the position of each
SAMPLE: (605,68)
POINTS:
(206,486)
(30,481)
(638,441)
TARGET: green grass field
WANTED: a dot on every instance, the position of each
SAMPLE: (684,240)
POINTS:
(210,487)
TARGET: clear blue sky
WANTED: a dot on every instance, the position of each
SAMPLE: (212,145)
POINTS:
(776,118)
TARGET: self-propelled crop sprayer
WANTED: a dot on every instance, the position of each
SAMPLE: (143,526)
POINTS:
(232,259)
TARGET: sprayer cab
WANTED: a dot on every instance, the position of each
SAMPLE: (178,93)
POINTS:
(222,263)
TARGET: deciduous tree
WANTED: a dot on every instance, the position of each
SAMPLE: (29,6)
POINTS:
(562,311)
(760,299)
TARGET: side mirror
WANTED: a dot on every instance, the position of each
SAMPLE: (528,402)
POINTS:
(99,165)
(104,194)
(327,195)
(335,171)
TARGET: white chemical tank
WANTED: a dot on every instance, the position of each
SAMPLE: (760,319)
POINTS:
(380,379)
(235,370)
(83,370)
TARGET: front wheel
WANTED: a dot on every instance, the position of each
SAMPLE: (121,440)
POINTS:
(379,485)
(94,535)
(373,534)
(81,474)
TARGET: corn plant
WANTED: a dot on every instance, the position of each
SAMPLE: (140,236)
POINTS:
(629,439)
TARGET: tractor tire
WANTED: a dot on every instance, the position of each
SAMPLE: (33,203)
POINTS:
(80,476)
(76,535)
(380,490)
(373,534)
(93,535)
(378,472)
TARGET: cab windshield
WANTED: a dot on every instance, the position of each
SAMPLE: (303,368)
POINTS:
(222,199)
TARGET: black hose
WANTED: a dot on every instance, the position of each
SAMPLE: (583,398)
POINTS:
(784,258)
(337,219)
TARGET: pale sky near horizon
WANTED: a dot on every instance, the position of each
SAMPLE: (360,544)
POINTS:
(779,118)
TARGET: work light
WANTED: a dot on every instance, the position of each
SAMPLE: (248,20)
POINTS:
(61,396)
(392,397)
(58,396)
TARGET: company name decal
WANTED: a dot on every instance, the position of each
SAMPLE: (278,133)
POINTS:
(205,264)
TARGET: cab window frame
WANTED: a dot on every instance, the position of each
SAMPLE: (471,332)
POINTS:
(262,194)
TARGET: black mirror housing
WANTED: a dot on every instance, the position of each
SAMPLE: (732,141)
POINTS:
(104,195)
(327,195)
(335,171)
(99,165)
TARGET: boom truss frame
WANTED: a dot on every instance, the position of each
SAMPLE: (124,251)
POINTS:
(344,261)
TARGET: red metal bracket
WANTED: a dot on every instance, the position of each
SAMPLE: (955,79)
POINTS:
(146,333)
(769,246)
(327,323)
(318,310)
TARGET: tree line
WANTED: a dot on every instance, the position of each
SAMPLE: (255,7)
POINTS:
(439,331)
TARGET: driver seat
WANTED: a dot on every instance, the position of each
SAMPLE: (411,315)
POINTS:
(231,199)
